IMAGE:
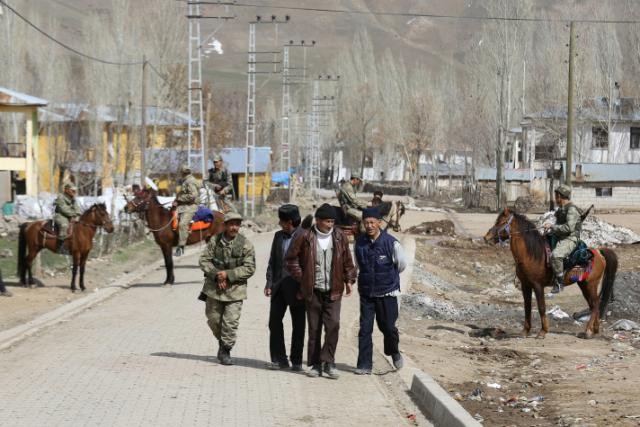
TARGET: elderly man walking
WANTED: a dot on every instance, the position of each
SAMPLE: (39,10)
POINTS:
(282,289)
(320,260)
(228,262)
(380,260)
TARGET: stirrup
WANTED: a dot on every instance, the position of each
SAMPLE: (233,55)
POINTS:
(179,251)
(557,287)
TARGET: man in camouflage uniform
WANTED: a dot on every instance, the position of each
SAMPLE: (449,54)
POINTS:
(348,200)
(220,180)
(66,210)
(228,262)
(566,230)
(187,202)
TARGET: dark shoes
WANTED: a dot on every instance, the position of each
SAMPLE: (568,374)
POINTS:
(60,249)
(296,367)
(277,366)
(6,294)
(179,251)
(362,371)
(558,286)
(224,356)
(331,371)
(398,361)
(315,371)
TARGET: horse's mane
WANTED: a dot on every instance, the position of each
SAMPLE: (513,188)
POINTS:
(533,240)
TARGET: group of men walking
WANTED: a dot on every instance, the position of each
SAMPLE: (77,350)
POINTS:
(310,269)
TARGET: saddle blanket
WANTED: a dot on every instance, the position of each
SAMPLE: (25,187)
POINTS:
(580,273)
(196,225)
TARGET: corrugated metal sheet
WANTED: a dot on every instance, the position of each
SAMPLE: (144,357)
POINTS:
(235,159)
(489,174)
(441,169)
(608,172)
(70,112)
(12,98)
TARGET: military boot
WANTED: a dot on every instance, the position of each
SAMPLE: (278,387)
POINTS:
(558,285)
(179,251)
(61,249)
(224,356)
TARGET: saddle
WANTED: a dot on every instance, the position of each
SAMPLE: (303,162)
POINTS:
(51,228)
(578,264)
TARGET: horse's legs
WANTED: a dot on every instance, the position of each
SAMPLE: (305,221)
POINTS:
(542,310)
(83,262)
(74,272)
(526,294)
(33,252)
(168,263)
(590,293)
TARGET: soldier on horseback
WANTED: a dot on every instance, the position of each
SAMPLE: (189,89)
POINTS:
(66,210)
(186,202)
(347,197)
(566,230)
(220,180)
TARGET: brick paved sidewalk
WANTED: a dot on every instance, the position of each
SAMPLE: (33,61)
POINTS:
(147,357)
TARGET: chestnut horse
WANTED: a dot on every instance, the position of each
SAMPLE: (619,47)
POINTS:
(159,220)
(35,236)
(391,213)
(529,250)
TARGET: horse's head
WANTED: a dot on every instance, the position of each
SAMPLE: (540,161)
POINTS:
(501,230)
(140,201)
(101,217)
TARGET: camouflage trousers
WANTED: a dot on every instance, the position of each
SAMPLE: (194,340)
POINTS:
(223,318)
(186,215)
(63,226)
(562,250)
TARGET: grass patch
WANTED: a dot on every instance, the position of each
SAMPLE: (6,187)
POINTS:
(127,253)
(9,265)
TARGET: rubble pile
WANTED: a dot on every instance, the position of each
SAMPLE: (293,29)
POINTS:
(434,228)
(9,225)
(596,232)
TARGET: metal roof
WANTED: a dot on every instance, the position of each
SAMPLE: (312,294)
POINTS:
(12,98)
(234,159)
(489,174)
(72,112)
(441,169)
(624,109)
(608,172)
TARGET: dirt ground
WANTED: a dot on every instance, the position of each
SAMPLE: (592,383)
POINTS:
(460,323)
(53,288)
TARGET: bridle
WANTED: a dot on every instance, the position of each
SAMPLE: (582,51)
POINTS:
(506,227)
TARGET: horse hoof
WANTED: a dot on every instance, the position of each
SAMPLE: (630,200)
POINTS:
(166,285)
(587,335)
(541,335)
(524,333)
(74,291)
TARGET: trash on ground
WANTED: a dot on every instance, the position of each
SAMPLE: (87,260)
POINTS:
(494,385)
(557,313)
(625,325)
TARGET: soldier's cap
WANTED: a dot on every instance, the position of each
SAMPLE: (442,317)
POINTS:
(185,168)
(232,216)
(564,191)
(217,158)
(356,175)
(70,186)
(371,213)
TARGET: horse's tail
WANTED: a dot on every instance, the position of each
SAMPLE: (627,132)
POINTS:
(609,278)
(306,222)
(22,250)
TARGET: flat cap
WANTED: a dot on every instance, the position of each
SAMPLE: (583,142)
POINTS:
(371,213)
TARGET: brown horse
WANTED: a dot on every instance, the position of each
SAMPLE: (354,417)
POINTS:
(38,235)
(529,250)
(159,220)
(391,213)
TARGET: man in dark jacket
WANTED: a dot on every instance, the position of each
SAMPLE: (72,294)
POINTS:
(282,289)
(320,260)
(380,261)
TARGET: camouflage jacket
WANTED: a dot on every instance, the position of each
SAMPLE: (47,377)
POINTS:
(237,258)
(66,206)
(568,223)
(189,193)
(221,180)
(347,197)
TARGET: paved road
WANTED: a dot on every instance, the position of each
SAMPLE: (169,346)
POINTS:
(146,357)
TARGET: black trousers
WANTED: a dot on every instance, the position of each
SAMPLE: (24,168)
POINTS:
(322,312)
(279,304)
(385,312)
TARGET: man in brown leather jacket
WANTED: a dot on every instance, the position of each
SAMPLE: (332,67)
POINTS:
(320,260)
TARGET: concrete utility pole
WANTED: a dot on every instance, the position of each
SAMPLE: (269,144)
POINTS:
(320,107)
(250,140)
(571,111)
(143,124)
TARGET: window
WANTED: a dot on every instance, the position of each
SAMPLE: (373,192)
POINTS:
(635,139)
(544,152)
(604,191)
(600,137)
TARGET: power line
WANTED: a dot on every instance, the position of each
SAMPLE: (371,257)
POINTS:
(429,15)
(155,70)
(62,44)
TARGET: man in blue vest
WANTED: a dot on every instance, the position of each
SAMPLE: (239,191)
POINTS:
(380,261)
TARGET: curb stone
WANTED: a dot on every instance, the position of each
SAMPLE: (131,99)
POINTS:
(438,405)
(13,335)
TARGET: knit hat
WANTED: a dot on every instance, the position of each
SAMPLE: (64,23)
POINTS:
(326,211)
(289,212)
(371,213)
